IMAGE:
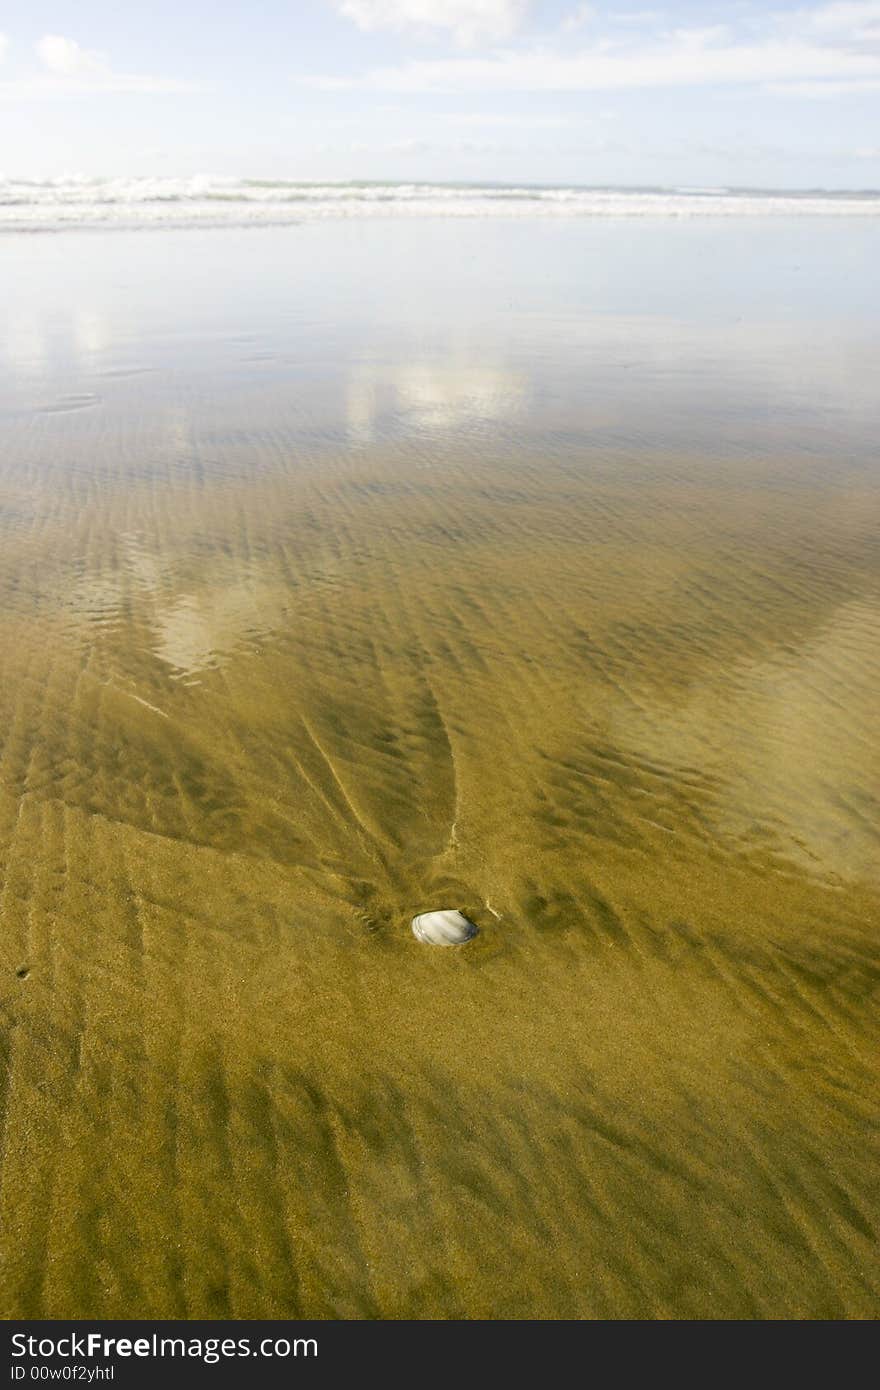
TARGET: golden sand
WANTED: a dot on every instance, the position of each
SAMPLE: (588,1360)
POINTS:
(621,712)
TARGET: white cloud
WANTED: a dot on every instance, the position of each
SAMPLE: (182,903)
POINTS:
(53,88)
(71,70)
(637,16)
(825,89)
(467,21)
(508,119)
(65,56)
(4,44)
(857,21)
(688,57)
(580,15)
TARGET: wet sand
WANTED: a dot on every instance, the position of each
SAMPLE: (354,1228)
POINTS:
(271,685)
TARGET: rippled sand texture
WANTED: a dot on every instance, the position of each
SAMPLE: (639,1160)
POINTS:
(619,708)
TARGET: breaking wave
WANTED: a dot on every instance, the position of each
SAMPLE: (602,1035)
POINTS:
(203,201)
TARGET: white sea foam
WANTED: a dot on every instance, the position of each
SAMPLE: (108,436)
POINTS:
(75,201)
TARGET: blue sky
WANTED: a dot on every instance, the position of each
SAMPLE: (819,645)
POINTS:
(768,94)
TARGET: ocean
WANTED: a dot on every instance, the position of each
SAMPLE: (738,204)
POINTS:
(77,201)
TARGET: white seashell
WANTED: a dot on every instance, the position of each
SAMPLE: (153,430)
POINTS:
(449,927)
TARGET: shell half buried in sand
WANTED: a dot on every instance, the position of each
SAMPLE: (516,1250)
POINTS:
(449,927)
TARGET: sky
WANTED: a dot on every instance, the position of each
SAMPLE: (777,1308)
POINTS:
(539,91)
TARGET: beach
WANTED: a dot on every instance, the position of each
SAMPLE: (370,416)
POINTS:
(364,567)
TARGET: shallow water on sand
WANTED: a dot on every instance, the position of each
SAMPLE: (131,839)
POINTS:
(351,572)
